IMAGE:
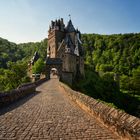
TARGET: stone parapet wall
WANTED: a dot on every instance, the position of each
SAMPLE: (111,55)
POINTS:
(125,125)
(16,94)
(37,83)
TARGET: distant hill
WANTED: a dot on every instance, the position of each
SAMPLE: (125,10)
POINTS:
(10,51)
(119,52)
(14,60)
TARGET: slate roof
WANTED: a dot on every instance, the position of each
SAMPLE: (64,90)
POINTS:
(35,58)
(69,43)
(70,27)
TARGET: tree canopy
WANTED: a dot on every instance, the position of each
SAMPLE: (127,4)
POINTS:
(39,66)
(118,53)
(112,67)
(112,72)
(14,60)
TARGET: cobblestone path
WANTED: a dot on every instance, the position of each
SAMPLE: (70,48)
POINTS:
(49,114)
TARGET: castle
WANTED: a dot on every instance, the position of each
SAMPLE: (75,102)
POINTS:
(64,51)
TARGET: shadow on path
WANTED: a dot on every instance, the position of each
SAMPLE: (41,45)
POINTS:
(18,103)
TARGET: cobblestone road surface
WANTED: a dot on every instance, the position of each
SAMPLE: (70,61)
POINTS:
(49,114)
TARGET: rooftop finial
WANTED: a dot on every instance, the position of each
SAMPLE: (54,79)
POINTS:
(70,16)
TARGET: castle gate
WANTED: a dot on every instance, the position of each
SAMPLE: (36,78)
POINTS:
(53,63)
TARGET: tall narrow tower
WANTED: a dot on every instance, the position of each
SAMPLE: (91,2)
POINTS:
(55,36)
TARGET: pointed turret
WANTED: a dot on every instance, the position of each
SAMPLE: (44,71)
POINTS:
(70,28)
(62,26)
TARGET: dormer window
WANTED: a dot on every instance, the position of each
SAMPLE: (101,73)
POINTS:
(67,50)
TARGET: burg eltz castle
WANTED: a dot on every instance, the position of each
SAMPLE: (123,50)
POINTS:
(65,51)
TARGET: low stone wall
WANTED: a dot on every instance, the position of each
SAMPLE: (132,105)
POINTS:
(39,82)
(13,95)
(126,126)
(23,90)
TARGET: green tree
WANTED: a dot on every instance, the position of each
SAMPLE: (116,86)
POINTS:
(136,80)
(111,86)
(39,66)
(13,76)
(106,67)
(125,82)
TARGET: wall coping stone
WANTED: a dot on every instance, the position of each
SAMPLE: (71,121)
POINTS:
(125,125)
(23,90)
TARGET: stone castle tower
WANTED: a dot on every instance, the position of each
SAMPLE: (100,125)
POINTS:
(64,51)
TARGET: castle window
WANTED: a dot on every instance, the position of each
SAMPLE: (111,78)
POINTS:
(67,50)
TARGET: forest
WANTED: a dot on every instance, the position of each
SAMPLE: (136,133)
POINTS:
(112,70)
(14,59)
(112,67)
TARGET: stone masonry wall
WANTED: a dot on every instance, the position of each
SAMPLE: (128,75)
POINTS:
(125,125)
(16,94)
(66,77)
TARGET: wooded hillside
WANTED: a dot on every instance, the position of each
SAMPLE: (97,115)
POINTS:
(14,60)
(112,67)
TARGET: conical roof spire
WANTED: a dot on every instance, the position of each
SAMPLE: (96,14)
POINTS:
(70,27)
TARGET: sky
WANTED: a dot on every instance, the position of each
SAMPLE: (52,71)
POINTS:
(28,20)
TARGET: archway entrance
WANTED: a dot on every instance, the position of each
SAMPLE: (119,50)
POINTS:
(53,68)
(54,73)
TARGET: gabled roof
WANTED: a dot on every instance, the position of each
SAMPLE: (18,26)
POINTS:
(78,49)
(69,43)
(81,51)
(70,27)
(35,57)
(68,40)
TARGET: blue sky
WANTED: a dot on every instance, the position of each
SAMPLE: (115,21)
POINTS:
(28,20)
